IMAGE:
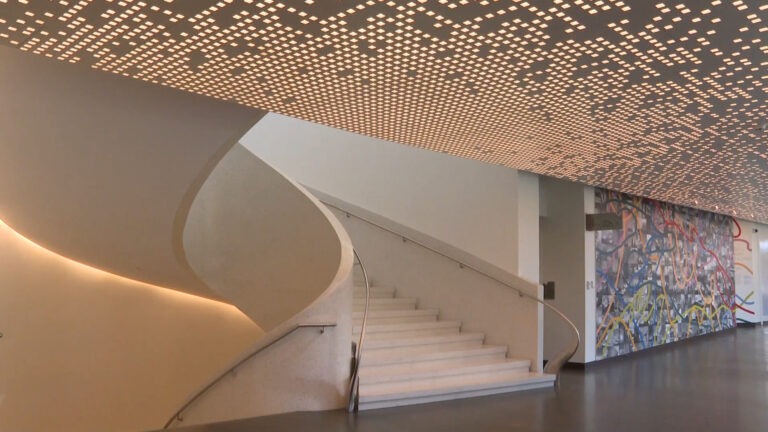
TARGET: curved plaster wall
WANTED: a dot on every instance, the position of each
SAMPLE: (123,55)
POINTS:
(87,351)
(144,182)
(475,206)
(266,245)
(102,169)
(262,242)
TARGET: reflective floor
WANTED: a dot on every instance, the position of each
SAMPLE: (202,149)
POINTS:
(712,383)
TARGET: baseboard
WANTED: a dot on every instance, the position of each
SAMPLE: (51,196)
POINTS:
(694,339)
(570,365)
(575,366)
(751,324)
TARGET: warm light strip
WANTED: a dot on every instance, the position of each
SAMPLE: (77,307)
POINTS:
(103,273)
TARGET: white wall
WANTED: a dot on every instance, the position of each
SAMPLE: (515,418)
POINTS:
(262,242)
(468,204)
(588,336)
(488,211)
(307,370)
(102,169)
(528,264)
(527,219)
(84,350)
(478,302)
(564,260)
(756,278)
(268,246)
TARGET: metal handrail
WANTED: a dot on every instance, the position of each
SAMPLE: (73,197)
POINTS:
(354,382)
(553,366)
(177,414)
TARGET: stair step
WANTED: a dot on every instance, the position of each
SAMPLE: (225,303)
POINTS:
(384,361)
(431,366)
(376,292)
(413,375)
(407,330)
(415,345)
(396,316)
(422,341)
(450,388)
(398,303)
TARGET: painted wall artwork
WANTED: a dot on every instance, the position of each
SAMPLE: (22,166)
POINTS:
(746,259)
(667,275)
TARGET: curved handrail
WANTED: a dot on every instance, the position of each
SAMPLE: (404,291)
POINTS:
(177,414)
(354,382)
(553,366)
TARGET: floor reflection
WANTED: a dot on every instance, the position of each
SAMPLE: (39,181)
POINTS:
(711,383)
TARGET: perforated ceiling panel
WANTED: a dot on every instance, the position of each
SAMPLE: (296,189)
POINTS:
(659,99)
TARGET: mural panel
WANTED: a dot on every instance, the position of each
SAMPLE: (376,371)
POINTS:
(667,275)
(745,272)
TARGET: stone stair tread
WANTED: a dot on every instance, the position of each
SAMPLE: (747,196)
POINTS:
(422,340)
(409,374)
(385,300)
(395,313)
(413,357)
(379,358)
(457,384)
(423,325)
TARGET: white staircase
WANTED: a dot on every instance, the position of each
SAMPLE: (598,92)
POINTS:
(410,356)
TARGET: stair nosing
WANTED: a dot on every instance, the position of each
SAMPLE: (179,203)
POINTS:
(387,300)
(531,377)
(434,355)
(505,365)
(424,340)
(408,326)
(394,313)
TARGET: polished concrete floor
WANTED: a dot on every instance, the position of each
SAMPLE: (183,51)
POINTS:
(710,384)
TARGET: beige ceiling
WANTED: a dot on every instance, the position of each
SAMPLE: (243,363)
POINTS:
(665,100)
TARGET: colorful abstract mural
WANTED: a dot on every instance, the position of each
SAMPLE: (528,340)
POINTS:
(746,279)
(667,275)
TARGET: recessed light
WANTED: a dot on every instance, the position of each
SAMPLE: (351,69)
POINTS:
(622,100)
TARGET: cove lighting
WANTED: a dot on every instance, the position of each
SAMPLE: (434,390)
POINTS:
(92,272)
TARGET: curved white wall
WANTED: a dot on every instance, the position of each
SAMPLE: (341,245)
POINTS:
(144,182)
(264,244)
(102,169)
(83,350)
(261,242)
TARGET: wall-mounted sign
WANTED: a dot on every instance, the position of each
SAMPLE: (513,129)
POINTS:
(603,222)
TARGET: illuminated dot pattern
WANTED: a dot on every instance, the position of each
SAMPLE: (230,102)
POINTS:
(658,99)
